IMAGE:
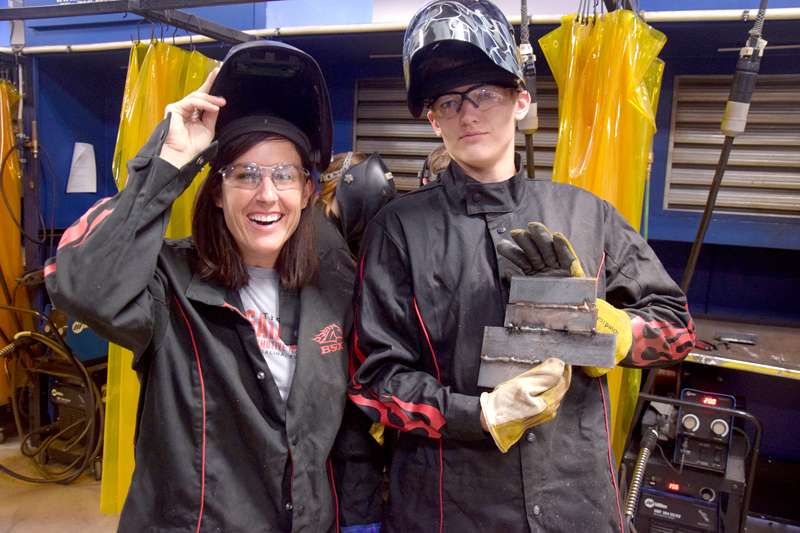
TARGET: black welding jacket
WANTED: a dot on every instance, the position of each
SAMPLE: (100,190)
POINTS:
(217,449)
(427,283)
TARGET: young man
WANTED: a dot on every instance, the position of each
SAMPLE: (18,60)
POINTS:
(533,454)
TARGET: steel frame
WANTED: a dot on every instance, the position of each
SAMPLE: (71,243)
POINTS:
(165,11)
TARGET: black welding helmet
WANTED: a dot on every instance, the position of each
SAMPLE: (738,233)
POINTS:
(363,189)
(457,42)
(268,79)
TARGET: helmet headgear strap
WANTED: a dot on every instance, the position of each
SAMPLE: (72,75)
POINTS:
(329,176)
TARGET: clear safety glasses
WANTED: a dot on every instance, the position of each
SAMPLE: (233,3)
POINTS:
(483,97)
(250,175)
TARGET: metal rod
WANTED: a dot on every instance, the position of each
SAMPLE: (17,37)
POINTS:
(529,156)
(611,5)
(195,24)
(686,280)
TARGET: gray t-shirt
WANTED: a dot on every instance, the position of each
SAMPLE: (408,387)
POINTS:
(261,306)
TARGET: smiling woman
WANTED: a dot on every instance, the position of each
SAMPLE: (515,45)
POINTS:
(238,331)
(266,220)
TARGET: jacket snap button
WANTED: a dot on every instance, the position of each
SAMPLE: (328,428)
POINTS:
(501,230)
(530,437)
(288,506)
(537,510)
(476,197)
(261,375)
(200,161)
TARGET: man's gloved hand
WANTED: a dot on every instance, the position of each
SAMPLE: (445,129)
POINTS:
(524,401)
(616,321)
(539,252)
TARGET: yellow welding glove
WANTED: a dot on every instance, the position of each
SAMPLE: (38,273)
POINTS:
(377,430)
(525,401)
(617,322)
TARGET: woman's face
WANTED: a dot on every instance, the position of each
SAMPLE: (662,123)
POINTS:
(261,217)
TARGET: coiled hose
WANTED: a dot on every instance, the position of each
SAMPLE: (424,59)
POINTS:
(89,428)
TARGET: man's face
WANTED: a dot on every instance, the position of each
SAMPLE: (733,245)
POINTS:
(477,124)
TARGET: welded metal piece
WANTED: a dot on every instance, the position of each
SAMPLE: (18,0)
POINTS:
(507,353)
(552,291)
(546,317)
(575,318)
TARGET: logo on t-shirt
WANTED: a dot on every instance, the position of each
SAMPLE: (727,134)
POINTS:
(268,335)
(330,339)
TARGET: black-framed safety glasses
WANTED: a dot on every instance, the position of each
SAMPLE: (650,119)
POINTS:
(482,96)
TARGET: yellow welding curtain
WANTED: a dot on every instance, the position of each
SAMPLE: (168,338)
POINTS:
(158,74)
(10,241)
(608,79)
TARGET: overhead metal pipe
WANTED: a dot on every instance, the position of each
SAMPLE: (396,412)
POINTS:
(791,13)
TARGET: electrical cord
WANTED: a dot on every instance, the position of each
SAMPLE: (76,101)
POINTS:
(87,430)
(94,405)
(746,439)
(10,300)
(7,204)
(667,461)
(53,201)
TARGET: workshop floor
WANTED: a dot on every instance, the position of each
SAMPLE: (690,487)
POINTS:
(34,508)
(29,508)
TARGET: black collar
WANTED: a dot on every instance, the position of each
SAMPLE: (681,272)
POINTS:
(480,198)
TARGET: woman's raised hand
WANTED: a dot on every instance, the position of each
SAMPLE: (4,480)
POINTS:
(192,122)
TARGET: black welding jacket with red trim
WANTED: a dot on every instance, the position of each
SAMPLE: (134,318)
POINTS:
(427,283)
(217,449)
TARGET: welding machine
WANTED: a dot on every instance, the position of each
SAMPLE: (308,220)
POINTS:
(703,436)
(704,488)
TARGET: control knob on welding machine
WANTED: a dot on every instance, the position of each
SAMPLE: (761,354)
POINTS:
(690,422)
(719,427)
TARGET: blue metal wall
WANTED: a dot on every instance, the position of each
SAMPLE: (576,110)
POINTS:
(71,109)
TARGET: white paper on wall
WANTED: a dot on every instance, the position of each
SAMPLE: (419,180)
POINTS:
(83,171)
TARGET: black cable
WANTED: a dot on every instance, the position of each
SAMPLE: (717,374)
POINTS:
(746,439)
(8,204)
(6,338)
(92,424)
(43,318)
(53,203)
(667,461)
(10,299)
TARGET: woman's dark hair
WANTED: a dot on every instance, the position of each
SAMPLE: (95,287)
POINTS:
(219,257)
